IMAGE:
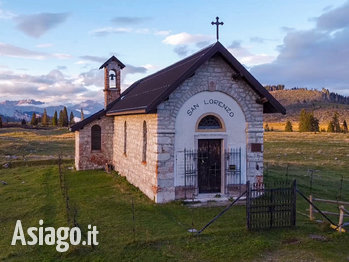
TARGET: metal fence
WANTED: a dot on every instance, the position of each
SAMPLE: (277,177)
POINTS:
(232,167)
(232,162)
(270,206)
(190,168)
(317,182)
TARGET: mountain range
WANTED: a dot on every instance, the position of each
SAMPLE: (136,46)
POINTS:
(24,109)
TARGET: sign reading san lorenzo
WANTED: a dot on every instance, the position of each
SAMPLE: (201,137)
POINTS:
(211,102)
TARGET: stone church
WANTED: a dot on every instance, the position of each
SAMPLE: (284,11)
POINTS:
(194,128)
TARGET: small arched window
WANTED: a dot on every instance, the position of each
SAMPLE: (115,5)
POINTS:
(96,137)
(125,137)
(144,149)
(210,122)
(112,78)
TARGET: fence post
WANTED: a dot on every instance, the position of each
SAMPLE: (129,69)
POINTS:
(311,214)
(133,221)
(311,181)
(185,173)
(248,196)
(294,208)
(341,217)
(340,188)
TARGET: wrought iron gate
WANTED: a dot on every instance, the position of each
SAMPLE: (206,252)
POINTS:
(270,207)
(187,167)
(232,169)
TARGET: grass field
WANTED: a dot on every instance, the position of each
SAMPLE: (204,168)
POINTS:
(159,232)
(25,145)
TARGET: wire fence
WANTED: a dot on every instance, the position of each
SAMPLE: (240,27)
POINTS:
(71,210)
(314,182)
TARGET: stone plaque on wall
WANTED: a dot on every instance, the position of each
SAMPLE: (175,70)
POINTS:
(256,147)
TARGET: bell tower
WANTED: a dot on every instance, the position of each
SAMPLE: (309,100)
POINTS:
(112,86)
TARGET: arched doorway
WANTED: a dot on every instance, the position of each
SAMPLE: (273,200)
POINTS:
(210,145)
(209,155)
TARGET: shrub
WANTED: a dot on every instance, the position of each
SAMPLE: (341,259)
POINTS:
(288,126)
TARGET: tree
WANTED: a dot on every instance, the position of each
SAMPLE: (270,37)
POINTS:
(54,119)
(266,128)
(308,122)
(345,127)
(23,122)
(288,126)
(60,119)
(34,120)
(0,122)
(304,124)
(65,117)
(44,119)
(71,119)
(82,115)
(330,127)
(334,126)
(314,123)
(335,121)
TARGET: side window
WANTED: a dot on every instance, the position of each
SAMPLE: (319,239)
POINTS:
(125,137)
(144,149)
(96,137)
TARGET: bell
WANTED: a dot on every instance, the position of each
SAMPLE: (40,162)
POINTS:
(112,76)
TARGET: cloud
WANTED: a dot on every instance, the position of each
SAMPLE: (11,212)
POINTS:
(246,57)
(186,38)
(181,50)
(129,20)
(260,40)
(162,32)
(4,14)
(94,58)
(149,67)
(104,31)
(18,52)
(315,58)
(53,84)
(38,24)
(110,30)
(61,55)
(130,69)
(202,44)
(334,19)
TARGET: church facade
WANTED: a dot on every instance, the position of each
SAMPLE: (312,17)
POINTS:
(194,128)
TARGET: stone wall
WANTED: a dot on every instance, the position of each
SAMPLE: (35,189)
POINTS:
(214,75)
(85,158)
(141,174)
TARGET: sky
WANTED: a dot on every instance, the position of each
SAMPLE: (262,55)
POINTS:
(51,50)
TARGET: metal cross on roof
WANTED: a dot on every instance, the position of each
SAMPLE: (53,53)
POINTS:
(217,23)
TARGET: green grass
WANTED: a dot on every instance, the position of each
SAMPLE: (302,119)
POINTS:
(105,200)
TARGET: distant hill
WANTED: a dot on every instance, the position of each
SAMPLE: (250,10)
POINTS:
(323,103)
(24,109)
